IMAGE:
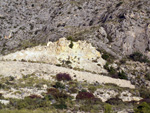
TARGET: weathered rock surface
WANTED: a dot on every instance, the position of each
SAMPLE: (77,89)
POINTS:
(81,56)
(105,94)
(137,72)
(119,27)
(127,96)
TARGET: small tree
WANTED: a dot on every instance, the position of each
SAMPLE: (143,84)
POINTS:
(107,108)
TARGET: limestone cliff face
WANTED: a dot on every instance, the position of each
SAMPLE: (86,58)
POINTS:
(81,56)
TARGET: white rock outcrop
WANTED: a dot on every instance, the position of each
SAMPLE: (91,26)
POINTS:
(105,94)
(81,56)
(5,102)
(127,96)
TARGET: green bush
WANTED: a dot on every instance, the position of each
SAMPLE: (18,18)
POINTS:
(2,106)
(29,103)
(90,105)
(119,4)
(71,44)
(105,56)
(147,76)
(92,89)
(123,61)
(59,85)
(71,41)
(142,108)
(70,38)
(1,96)
(108,57)
(137,56)
(2,86)
(112,71)
(122,75)
(61,105)
(73,90)
(83,90)
(107,108)
(52,110)
(144,92)
(56,94)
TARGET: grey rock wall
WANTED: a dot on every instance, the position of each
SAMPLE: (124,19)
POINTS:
(119,27)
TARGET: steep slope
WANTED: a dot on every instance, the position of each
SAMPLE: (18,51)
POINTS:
(119,27)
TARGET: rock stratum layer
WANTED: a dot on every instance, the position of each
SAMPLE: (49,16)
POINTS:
(80,56)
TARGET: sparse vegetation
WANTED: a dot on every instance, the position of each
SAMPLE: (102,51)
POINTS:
(142,108)
(123,61)
(71,44)
(26,43)
(108,57)
(144,92)
(114,73)
(71,41)
(122,75)
(147,76)
(114,101)
(92,88)
(108,108)
(59,97)
(119,4)
(59,85)
(137,56)
(28,111)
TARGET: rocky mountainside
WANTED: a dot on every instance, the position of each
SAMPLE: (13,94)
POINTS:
(81,57)
(67,75)
(118,27)
(63,70)
(90,56)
